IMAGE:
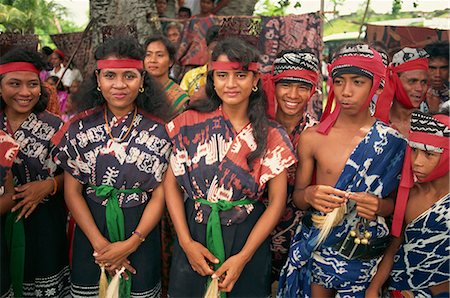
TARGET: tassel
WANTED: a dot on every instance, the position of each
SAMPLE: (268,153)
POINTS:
(327,222)
(213,289)
(103,283)
(114,285)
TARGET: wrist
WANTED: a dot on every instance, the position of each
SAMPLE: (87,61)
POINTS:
(53,186)
(184,242)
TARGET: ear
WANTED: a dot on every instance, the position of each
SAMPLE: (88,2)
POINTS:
(256,77)
(97,75)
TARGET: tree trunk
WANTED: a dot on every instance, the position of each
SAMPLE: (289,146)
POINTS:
(122,13)
(238,8)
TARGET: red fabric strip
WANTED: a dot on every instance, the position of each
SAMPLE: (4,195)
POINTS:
(120,63)
(429,139)
(18,66)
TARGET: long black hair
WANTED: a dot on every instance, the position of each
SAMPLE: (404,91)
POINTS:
(24,55)
(238,50)
(152,100)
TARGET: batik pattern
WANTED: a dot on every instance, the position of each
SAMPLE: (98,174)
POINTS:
(423,259)
(46,270)
(209,160)
(372,167)
(90,155)
(8,151)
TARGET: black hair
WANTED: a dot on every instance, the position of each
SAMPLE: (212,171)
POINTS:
(166,42)
(24,55)
(152,100)
(47,50)
(238,50)
(55,79)
(438,49)
(185,9)
(212,34)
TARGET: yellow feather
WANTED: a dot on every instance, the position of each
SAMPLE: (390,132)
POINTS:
(213,289)
(102,284)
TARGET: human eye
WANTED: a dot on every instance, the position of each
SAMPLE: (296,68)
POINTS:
(241,75)
(130,75)
(221,74)
(337,81)
(34,84)
(109,74)
(14,84)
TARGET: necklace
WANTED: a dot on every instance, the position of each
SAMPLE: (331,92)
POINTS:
(108,128)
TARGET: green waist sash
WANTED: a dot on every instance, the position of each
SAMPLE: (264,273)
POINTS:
(214,239)
(115,222)
(15,241)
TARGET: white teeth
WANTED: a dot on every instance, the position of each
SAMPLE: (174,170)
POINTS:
(292,104)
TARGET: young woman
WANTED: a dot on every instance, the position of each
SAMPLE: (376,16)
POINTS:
(38,220)
(225,151)
(159,58)
(114,154)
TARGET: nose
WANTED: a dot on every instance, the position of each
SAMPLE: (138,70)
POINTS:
(231,81)
(25,91)
(417,159)
(119,83)
(346,89)
(293,92)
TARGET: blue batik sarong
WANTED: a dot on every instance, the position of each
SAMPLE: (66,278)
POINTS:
(374,167)
(423,259)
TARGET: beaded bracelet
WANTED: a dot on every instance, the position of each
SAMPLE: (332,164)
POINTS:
(55,186)
(140,236)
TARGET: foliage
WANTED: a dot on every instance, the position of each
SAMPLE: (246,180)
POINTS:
(275,7)
(396,6)
(35,17)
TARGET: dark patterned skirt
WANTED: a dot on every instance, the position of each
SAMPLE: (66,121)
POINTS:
(46,270)
(146,259)
(254,280)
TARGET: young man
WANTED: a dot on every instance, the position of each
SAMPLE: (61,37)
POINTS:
(347,165)
(290,85)
(438,73)
(418,261)
(405,89)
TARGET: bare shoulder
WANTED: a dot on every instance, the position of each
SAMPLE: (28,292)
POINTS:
(309,138)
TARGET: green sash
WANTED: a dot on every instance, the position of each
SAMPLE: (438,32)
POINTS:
(214,239)
(15,241)
(115,223)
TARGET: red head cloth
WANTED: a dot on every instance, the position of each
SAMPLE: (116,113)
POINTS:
(59,53)
(120,63)
(427,133)
(394,88)
(292,66)
(18,66)
(372,64)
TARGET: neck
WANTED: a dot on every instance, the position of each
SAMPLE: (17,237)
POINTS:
(399,112)
(287,121)
(355,121)
(440,186)
(119,113)
(162,79)
(15,119)
(237,115)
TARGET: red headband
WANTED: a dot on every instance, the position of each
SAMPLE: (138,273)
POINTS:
(374,65)
(269,81)
(218,65)
(407,178)
(18,66)
(120,63)
(394,88)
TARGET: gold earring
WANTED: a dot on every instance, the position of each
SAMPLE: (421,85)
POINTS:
(98,88)
(255,88)
(141,90)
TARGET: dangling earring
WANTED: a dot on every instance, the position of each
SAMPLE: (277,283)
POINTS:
(255,88)
(98,89)
(141,90)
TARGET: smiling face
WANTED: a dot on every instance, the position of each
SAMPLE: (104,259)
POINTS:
(157,61)
(234,86)
(415,83)
(119,87)
(20,91)
(352,92)
(423,162)
(292,97)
